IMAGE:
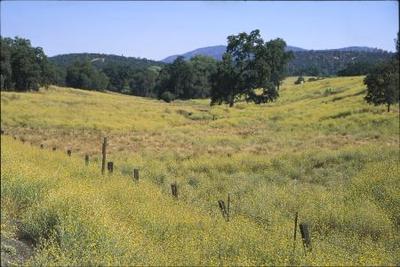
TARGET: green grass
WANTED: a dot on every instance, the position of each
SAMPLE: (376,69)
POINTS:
(320,150)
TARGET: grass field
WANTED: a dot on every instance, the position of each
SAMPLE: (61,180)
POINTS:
(320,150)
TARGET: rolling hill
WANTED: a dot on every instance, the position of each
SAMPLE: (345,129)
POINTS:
(100,60)
(215,52)
(319,150)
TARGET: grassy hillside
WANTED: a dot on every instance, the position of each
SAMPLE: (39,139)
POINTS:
(319,150)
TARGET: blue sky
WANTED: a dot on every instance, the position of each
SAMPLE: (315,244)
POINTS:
(156,30)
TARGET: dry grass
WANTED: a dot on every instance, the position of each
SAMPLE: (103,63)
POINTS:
(319,150)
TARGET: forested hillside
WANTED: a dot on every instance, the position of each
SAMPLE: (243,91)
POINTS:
(101,60)
(309,62)
(330,62)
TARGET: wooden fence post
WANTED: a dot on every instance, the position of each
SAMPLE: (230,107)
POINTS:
(110,166)
(222,207)
(229,206)
(136,174)
(295,231)
(305,235)
(104,151)
(87,159)
(174,190)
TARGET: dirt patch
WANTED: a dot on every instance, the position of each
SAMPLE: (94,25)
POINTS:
(16,250)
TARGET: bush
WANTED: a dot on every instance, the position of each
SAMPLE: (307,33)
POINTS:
(167,96)
(299,80)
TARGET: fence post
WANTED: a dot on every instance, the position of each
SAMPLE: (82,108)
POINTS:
(136,174)
(295,231)
(110,166)
(229,205)
(69,152)
(104,151)
(222,207)
(174,190)
(87,159)
(305,235)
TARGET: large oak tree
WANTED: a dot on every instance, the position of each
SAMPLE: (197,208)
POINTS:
(251,69)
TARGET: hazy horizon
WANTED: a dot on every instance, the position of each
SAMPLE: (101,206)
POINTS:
(156,30)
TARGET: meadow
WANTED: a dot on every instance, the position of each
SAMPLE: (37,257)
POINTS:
(319,150)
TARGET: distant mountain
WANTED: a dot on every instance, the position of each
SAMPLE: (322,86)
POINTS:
(215,52)
(100,60)
(211,51)
(307,62)
(294,48)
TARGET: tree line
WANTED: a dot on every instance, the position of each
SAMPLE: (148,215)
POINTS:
(249,64)
(251,70)
(333,62)
(24,67)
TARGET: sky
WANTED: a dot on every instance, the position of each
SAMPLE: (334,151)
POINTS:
(156,30)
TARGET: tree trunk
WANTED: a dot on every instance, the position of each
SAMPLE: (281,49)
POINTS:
(231,101)
(388,108)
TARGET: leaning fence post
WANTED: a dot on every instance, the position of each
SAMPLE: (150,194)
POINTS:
(87,159)
(103,162)
(110,166)
(136,174)
(305,235)
(222,207)
(295,231)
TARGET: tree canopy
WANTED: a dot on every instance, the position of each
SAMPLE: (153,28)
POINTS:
(357,68)
(84,75)
(24,67)
(383,82)
(251,69)
(186,79)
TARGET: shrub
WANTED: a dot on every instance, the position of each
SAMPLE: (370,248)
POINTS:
(299,80)
(167,96)
(329,91)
